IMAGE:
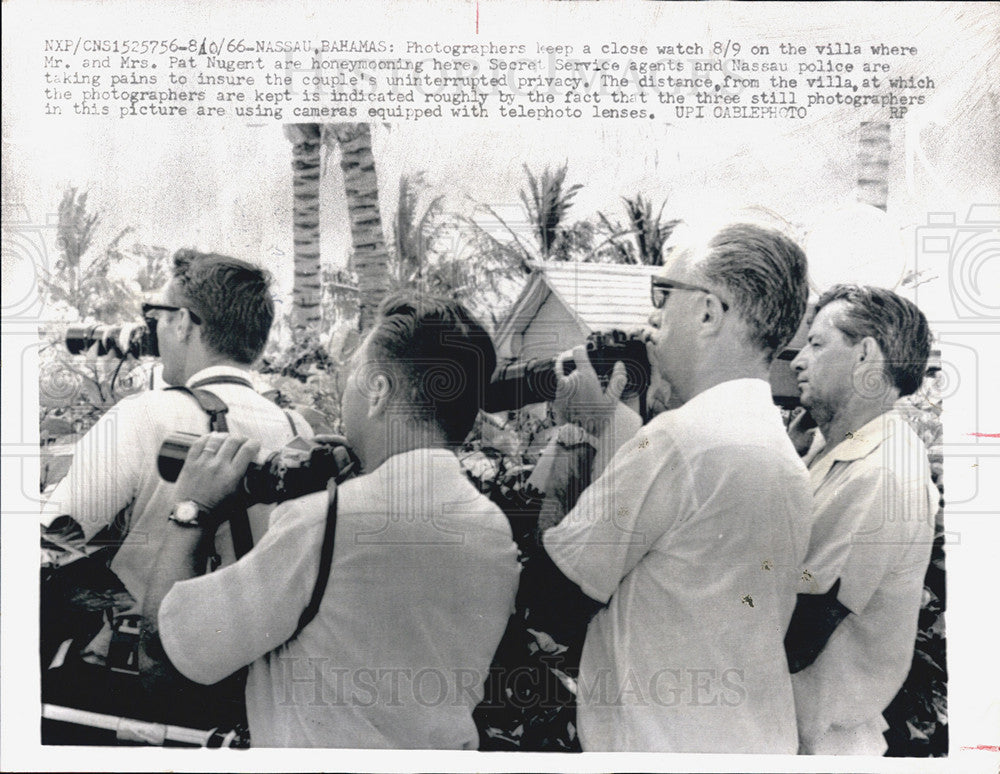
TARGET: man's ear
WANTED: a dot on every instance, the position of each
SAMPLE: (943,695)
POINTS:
(379,391)
(870,370)
(869,351)
(712,315)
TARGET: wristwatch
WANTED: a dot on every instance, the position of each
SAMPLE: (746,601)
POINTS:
(188,513)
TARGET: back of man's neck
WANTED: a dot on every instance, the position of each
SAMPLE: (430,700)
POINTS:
(198,368)
(714,377)
(372,461)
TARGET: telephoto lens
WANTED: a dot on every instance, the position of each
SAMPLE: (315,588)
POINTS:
(523,382)
(135,339)
(299,468)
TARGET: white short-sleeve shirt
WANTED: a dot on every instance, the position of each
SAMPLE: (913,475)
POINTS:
(873,527)
(694,536)
(422,585)
(114,467)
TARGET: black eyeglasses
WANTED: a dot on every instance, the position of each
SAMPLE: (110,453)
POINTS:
(659,289)
(147,308)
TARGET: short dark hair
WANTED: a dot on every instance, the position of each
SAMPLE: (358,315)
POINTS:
(764,274)
(232,298)
(896,323)
(442,356)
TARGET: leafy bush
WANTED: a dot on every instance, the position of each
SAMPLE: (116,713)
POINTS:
(529,701)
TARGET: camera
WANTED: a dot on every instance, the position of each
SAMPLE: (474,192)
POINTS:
(135,339)
(299,468)
(523,382)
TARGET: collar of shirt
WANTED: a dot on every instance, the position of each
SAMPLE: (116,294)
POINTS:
(743,395)
(857,445)
(219,370)
(406,464)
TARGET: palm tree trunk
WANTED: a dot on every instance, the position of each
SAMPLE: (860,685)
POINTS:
(370,259)
(306,142)
(875,144)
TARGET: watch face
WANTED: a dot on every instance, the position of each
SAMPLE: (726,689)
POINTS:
(186,511)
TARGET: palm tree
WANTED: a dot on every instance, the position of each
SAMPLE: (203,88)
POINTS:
(370,259)
(650,233)
(875,145)
(414,232)
(547,202)
(306,142)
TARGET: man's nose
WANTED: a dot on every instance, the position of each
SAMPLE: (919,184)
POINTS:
(798,362)
(654,319)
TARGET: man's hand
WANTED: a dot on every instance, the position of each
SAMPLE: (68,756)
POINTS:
(658,396)
(801,430)
(579,396)
(215,465)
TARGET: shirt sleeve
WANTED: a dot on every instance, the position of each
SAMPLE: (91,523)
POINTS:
(619,518)
(106,469)
(212,625)
(891,531)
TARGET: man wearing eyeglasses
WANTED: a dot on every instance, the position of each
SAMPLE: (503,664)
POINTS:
(210,324)
(689,543)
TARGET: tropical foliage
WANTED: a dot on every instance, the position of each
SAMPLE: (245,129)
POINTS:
(90,284)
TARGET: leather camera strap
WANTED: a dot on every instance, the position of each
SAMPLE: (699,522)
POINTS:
(325,561)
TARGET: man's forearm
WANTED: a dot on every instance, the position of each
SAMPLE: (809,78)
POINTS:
(177,560)
(611,435)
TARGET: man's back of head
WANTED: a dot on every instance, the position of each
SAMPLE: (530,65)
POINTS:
(232,298)
(216,310)
(432,361)
(764,272)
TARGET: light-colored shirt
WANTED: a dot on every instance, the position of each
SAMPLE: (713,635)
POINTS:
(694,536)
(114,467)
(422,585)
(874,506)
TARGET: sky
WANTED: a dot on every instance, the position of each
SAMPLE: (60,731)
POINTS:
(226,186)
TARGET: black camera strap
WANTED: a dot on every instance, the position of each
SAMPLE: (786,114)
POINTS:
(325,561)
(216,408)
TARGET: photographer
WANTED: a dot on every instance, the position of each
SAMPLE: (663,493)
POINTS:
(211,323)
(690,542)
(410,599)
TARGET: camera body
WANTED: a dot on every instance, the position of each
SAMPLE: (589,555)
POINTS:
(297,469)
(523,382)
(135,339)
